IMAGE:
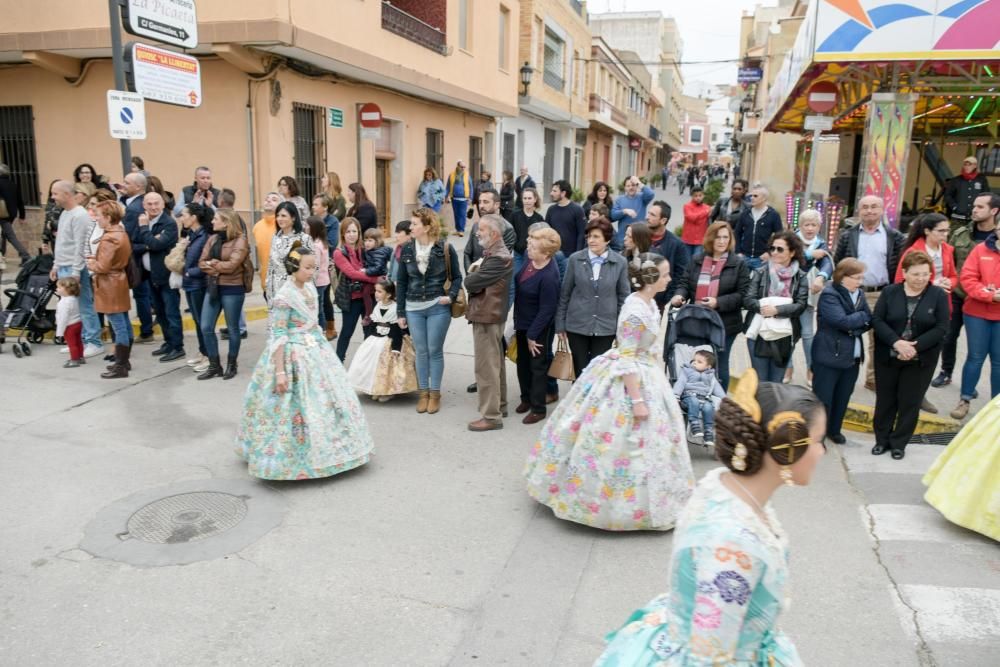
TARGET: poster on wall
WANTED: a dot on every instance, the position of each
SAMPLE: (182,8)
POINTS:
(886,150)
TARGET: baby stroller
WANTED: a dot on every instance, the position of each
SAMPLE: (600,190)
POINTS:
(691,328)
(26,310)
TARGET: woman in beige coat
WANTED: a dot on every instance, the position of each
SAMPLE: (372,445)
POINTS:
(107,267)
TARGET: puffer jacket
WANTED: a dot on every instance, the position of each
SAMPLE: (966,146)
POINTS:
(981,280)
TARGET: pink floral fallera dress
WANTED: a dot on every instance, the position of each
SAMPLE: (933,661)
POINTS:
(594,463)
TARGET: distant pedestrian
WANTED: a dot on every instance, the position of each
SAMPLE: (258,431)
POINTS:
(819,269)
(156,237)
(666,244)
(86,173)
(289,231)
(484,184)
(962,190)
(755,227)
(200,192)
(695,222)
(402,237)
(567,218)
(330,182)
(460,191)
(430,192)
(11,208)
(523,182)
(630,207)
(263,234)
(522,219)
(317,231)
(355,287)
(108,267)
(196,220)
(362,209)
(507,195)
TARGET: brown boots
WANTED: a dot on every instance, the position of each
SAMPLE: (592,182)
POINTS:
(331,329)
(422,402)
(121,367)
(429,401)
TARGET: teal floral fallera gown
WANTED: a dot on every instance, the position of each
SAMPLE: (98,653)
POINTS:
(315,429)
(728,577)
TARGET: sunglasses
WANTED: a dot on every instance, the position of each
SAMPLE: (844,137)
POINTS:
(777,249)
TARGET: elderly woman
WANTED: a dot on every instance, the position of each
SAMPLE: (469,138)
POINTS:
(781,281)
(911,319)
(107,267)
(838,347)
(818,268)
(593,291)
(535,302)
(719,279)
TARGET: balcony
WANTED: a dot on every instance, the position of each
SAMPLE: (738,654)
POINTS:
(577,6)
(607,111)
(553,80)
(406,25)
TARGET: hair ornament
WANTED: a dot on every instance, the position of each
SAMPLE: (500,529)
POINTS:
(782,418)
(739,460)
(648,264)
(745,395)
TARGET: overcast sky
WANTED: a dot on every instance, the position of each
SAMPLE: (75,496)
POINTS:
(707,35)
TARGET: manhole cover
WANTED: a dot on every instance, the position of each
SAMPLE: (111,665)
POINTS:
(932,438)
(187,517)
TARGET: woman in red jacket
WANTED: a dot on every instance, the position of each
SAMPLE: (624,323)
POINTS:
(981,282)
(928,234)
(354,290)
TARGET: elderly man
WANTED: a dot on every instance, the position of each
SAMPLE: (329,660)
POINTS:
(199,192)
(155,239)
(524,180)
(879,246)
(487,285)
(754,228)
(70,259)
(961,192)
(459,191)
(134,188)
(628,208)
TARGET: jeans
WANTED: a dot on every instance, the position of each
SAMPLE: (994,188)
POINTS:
(428,329)
(351,317)
(807,323)
(460,207)
(143,309)
(950,348)
(723,361)
(91,322)
(122,328)
(196,303)
(833,387)
(701,413)
(983,337)
(167,304)
(767,370)
(7,232)
(324,296)
(231,304)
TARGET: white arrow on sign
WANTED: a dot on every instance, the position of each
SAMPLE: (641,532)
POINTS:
(126,115)
(172,22)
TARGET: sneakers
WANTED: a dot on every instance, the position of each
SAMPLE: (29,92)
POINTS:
(64,350)
(74,363)
(941,380)
(961,410)
(92,350)
(202,366)
(196,361)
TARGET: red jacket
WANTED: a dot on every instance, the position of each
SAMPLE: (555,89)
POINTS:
(981,279)
(947,259)
(695,223)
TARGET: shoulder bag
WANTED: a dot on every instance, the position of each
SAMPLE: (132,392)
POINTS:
(458,305)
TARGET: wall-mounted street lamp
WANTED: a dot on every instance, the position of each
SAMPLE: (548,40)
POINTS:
(526,73)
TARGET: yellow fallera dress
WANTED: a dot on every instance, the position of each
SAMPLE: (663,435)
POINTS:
(964,482)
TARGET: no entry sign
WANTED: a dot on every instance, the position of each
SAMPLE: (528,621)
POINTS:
(822,96)
(370,117)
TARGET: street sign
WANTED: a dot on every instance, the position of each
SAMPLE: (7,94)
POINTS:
(371,116)
(172,22)
(749,75)
(335,117)
(164,76)
(126,115)
(819,123)
(822,96)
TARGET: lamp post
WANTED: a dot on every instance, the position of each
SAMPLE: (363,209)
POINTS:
(526,73)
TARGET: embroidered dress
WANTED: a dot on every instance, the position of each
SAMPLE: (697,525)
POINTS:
(728,575)
(593,463)
(375,369)
(281,244)
(317,427)
(964,482)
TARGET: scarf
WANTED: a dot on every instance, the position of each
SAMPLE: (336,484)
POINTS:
(708,278)
(971,176)
(781,278)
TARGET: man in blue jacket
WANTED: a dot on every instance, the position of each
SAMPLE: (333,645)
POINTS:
(630,207)
(135,188)
(156,237)
(754,228)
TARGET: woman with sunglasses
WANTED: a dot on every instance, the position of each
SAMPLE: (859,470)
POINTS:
(778,294)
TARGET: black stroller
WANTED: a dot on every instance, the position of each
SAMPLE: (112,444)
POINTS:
(26,311)
(691,328)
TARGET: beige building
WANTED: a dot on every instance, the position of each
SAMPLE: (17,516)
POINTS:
(609,82)
(642,109)
(281,89)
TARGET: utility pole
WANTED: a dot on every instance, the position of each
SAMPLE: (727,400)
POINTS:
(114,15)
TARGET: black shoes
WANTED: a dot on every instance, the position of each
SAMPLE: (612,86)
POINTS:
(230,369)
(214,369)
(897,454)
(941,380)
(837,439)
(224,334)
(172,356)
(472,388)
(878,450)
(162,350)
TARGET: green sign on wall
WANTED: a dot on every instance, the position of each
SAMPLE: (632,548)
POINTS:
(335,117)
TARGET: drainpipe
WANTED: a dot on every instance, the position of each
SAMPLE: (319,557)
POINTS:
(250,148)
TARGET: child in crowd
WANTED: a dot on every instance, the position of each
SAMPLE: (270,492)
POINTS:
(376,253)
(696,384)
(68,323)
(403,237)
(385,364)
(317,230)
(596,211)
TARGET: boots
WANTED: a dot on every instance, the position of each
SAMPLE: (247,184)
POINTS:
(422,402)
(128,359)
(331,329)
(434,402)
(230,369)
(214,369)
(120,368)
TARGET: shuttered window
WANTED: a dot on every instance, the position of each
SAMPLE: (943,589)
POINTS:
(309,129)
(17,150)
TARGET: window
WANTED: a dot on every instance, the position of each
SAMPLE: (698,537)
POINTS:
(309,136)
(508,152)
(554,50)
(502,57)
(435,151)
(464,16)
(475,157)
(695,135)
(17,151)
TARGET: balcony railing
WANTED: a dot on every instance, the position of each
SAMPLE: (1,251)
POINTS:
(406,25)
(554,80)
(577,6)
(602,107)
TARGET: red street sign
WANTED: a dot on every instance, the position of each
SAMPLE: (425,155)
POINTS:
(822,96)
(371,116)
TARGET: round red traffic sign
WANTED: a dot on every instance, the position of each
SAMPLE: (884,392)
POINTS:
(371,115)
(822,96)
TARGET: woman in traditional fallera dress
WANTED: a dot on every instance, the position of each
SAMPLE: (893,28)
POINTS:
(729,570)
(385,364)
(613,454)
(301,419)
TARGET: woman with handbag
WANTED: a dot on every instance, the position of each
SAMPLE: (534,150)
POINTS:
(613,455)
(428,296)
(355,287)
(911,319)
(196,221)
(222,263)
(780,279)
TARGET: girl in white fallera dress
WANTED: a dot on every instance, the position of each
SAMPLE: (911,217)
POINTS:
(385,364)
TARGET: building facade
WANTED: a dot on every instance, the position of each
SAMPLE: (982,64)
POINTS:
(609,83)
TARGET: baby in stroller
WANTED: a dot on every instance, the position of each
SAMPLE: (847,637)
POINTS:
(697,385)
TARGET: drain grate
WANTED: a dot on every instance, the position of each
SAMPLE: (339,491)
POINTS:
(186,517)
(932,438)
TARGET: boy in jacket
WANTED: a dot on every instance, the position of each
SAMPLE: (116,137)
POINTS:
(696,384)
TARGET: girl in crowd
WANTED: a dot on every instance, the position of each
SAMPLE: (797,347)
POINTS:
(637,241)
(111,292)
(289,231)
(196,220)
(594,289)
(719,280)
(428,282)
(729,567)
(354,289)
(301,419)
(838,348)
(613,455)
(222,263)
(289,189)
(69,324)
(601,194)
(384,365)
(818,267)
(430,193)
(330,182)
(362,209)
(780,276)
(521,220)
(317,231)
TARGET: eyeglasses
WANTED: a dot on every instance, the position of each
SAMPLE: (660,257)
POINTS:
(777,249)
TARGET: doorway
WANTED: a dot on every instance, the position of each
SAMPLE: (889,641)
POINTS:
(383,193)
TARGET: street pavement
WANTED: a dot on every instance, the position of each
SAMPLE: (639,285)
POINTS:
(433,553)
